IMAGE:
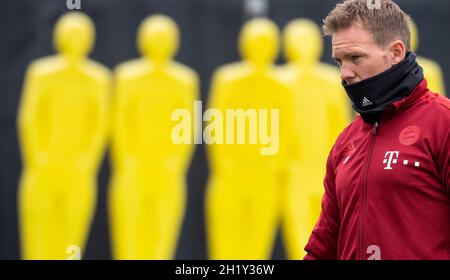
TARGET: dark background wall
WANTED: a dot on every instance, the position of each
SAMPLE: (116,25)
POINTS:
(209,30)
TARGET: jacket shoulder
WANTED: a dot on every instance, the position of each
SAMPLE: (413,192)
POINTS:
(439,106)
(434,112)
(444,101)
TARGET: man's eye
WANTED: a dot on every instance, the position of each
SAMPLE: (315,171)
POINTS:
(355,57)
(338,62)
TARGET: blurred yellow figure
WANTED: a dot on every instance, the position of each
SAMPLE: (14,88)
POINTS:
(244,189)
(148,192)
(431,69)
(62,124)
(321,113)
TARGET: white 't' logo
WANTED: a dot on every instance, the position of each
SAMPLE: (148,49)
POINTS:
(389,158)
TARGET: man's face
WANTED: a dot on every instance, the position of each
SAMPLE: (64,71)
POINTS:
(358,55)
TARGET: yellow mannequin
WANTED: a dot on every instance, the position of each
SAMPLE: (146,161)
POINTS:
(244,189)
(432,70)
(321,112)
(62,130)
(148,196)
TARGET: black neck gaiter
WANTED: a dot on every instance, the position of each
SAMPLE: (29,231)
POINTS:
(372,96)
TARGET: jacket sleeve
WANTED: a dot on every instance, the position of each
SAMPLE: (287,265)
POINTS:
(322,244)
(445,163)
(441,141)
(443,137)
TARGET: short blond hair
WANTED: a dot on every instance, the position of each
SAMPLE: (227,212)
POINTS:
(386,22)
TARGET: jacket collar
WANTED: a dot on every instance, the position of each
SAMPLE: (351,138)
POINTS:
(401,105)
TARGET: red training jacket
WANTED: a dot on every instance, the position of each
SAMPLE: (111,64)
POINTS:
(387,185)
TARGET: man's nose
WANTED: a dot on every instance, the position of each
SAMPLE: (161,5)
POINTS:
(347,74)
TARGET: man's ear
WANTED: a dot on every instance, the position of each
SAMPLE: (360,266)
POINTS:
(398,51)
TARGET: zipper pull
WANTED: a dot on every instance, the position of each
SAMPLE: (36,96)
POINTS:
(374,129)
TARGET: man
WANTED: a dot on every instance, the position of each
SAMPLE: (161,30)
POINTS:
(388,175)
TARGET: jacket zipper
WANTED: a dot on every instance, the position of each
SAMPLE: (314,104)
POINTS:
(366,170)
